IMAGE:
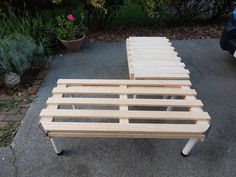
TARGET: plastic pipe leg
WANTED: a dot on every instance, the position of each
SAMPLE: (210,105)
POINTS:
(235,54)
(165,97)
(58,151)
(169,108)
(188,147)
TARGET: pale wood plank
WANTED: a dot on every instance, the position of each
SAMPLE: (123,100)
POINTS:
(157,115)
(125,102)
(136,91)
(128,135)
(155,64)
(140,70)
(117,82)
(161,76)
(128,128)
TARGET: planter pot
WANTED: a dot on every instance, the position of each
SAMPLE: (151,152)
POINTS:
(73,45)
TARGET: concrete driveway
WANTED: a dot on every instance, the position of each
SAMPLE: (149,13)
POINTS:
(213,74)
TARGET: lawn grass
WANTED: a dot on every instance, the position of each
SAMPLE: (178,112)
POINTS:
(7,133)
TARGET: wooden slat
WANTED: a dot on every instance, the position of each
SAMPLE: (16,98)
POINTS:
(157,115)
(128,135)
(149,48)
(153,52)
(124,82)
(155,64)
(114,90)
(125,102)
(128,128)
(161,76)
(160,70)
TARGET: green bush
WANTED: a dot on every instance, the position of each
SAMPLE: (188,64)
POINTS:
(18,53)
(101,12)
(221,9)
(37,27)
(30,5)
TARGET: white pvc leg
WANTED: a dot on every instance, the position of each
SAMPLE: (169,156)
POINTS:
(235,54)
(58,151)
(189,146)
(165,97)
(169,108)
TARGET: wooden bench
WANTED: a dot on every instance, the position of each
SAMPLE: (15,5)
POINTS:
(154,58)
(107,108)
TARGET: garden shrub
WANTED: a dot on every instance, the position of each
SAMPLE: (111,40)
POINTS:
(31,6)
(187,10)
(152,7)
(18,53)
(38,27)
(221,9)
(101,12)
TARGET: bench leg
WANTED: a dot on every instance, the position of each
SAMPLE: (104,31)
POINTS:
(170,108)
(58,151)
(188,147)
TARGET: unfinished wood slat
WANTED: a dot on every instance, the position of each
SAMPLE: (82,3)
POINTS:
(162,115)
(125,102)
(127,135)
(136,91)
(153,52)
(128,128)
(155,64)
(159,70)
(162,76)
(95,82)
(149,48)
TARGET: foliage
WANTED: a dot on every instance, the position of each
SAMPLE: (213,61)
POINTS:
(21,5)
(187,10)
(18,53)
(38,27)
(7,133)
(221,9)
(67,27)
(101,12)
(152,7)
(13,104)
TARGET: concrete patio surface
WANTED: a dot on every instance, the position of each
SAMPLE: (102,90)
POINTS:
(213,74)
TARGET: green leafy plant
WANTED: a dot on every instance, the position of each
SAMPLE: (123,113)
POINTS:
(69,27)
(101,12)
(37,27)
(18,53)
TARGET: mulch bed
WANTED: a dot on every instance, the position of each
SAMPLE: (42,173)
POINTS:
(183,32)
(15,101)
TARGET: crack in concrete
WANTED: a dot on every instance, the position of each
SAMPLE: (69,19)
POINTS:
(12,147)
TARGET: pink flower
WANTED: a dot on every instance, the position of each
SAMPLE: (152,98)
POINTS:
(70,17)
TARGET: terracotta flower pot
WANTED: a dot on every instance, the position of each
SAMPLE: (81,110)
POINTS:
(73,45)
